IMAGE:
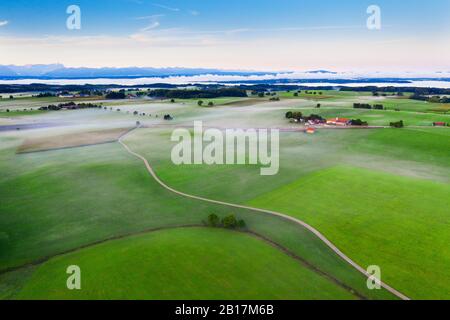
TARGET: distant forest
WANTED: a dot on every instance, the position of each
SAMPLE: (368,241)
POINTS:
(207,91)
(414,90)
(197,94)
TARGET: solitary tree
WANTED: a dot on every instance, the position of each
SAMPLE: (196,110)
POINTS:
(200,103)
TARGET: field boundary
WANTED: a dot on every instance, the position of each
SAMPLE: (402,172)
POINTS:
(274,213)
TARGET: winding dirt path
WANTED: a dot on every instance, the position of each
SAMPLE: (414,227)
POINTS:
(274,213)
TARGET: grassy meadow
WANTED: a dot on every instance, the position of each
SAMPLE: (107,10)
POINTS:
(183,264)
(381,195)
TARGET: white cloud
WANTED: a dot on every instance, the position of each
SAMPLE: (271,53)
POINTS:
(166,7)
(154,22)
(151,17)
(3,23)
(229,49)
(194,12)
(151,26)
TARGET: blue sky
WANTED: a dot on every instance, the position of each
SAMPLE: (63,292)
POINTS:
(240,34)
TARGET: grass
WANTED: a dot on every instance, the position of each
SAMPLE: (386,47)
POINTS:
(410,152)
(405,104)
(182,264)
(56,201)
(392,158)
(16,113)
(380,117)
(326,94)
(398,223)
(426,145)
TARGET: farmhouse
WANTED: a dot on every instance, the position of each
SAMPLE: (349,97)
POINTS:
(439,124)
(338,122)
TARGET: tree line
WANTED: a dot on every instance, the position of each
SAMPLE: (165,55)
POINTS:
(368,106)
(70,106)
(197,93)
(228,222)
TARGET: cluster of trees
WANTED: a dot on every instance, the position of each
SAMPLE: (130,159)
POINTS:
(168,117)
(294,115)
(70,106)
(299,117)
(87,92)
(45,95)
(201,103)
(435,99)
(377,94)
(313,92)
(116,95)
(368,106)
(358,122)
(262,94)
(398,124)
(228,222)
(197,94)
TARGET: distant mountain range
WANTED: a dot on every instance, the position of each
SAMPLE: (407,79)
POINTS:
(59,71)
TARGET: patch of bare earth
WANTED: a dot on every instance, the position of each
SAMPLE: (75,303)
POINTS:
(245,103)
(72,140)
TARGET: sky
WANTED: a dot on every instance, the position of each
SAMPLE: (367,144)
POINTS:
(267,35)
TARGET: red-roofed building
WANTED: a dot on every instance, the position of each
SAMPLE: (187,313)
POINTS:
(338,122)
(439,124)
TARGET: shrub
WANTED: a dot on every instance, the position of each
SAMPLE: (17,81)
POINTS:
(242,224)
(358,122)
(229,222)
(213,220)
(398,124)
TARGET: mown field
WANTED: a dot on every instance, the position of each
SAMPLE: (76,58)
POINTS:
(398,223)
(381,195)
(57,201)
(189,263)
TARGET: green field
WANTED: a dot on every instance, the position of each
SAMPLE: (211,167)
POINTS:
(381,195)
(400,224)
(182,264)
(94,193)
